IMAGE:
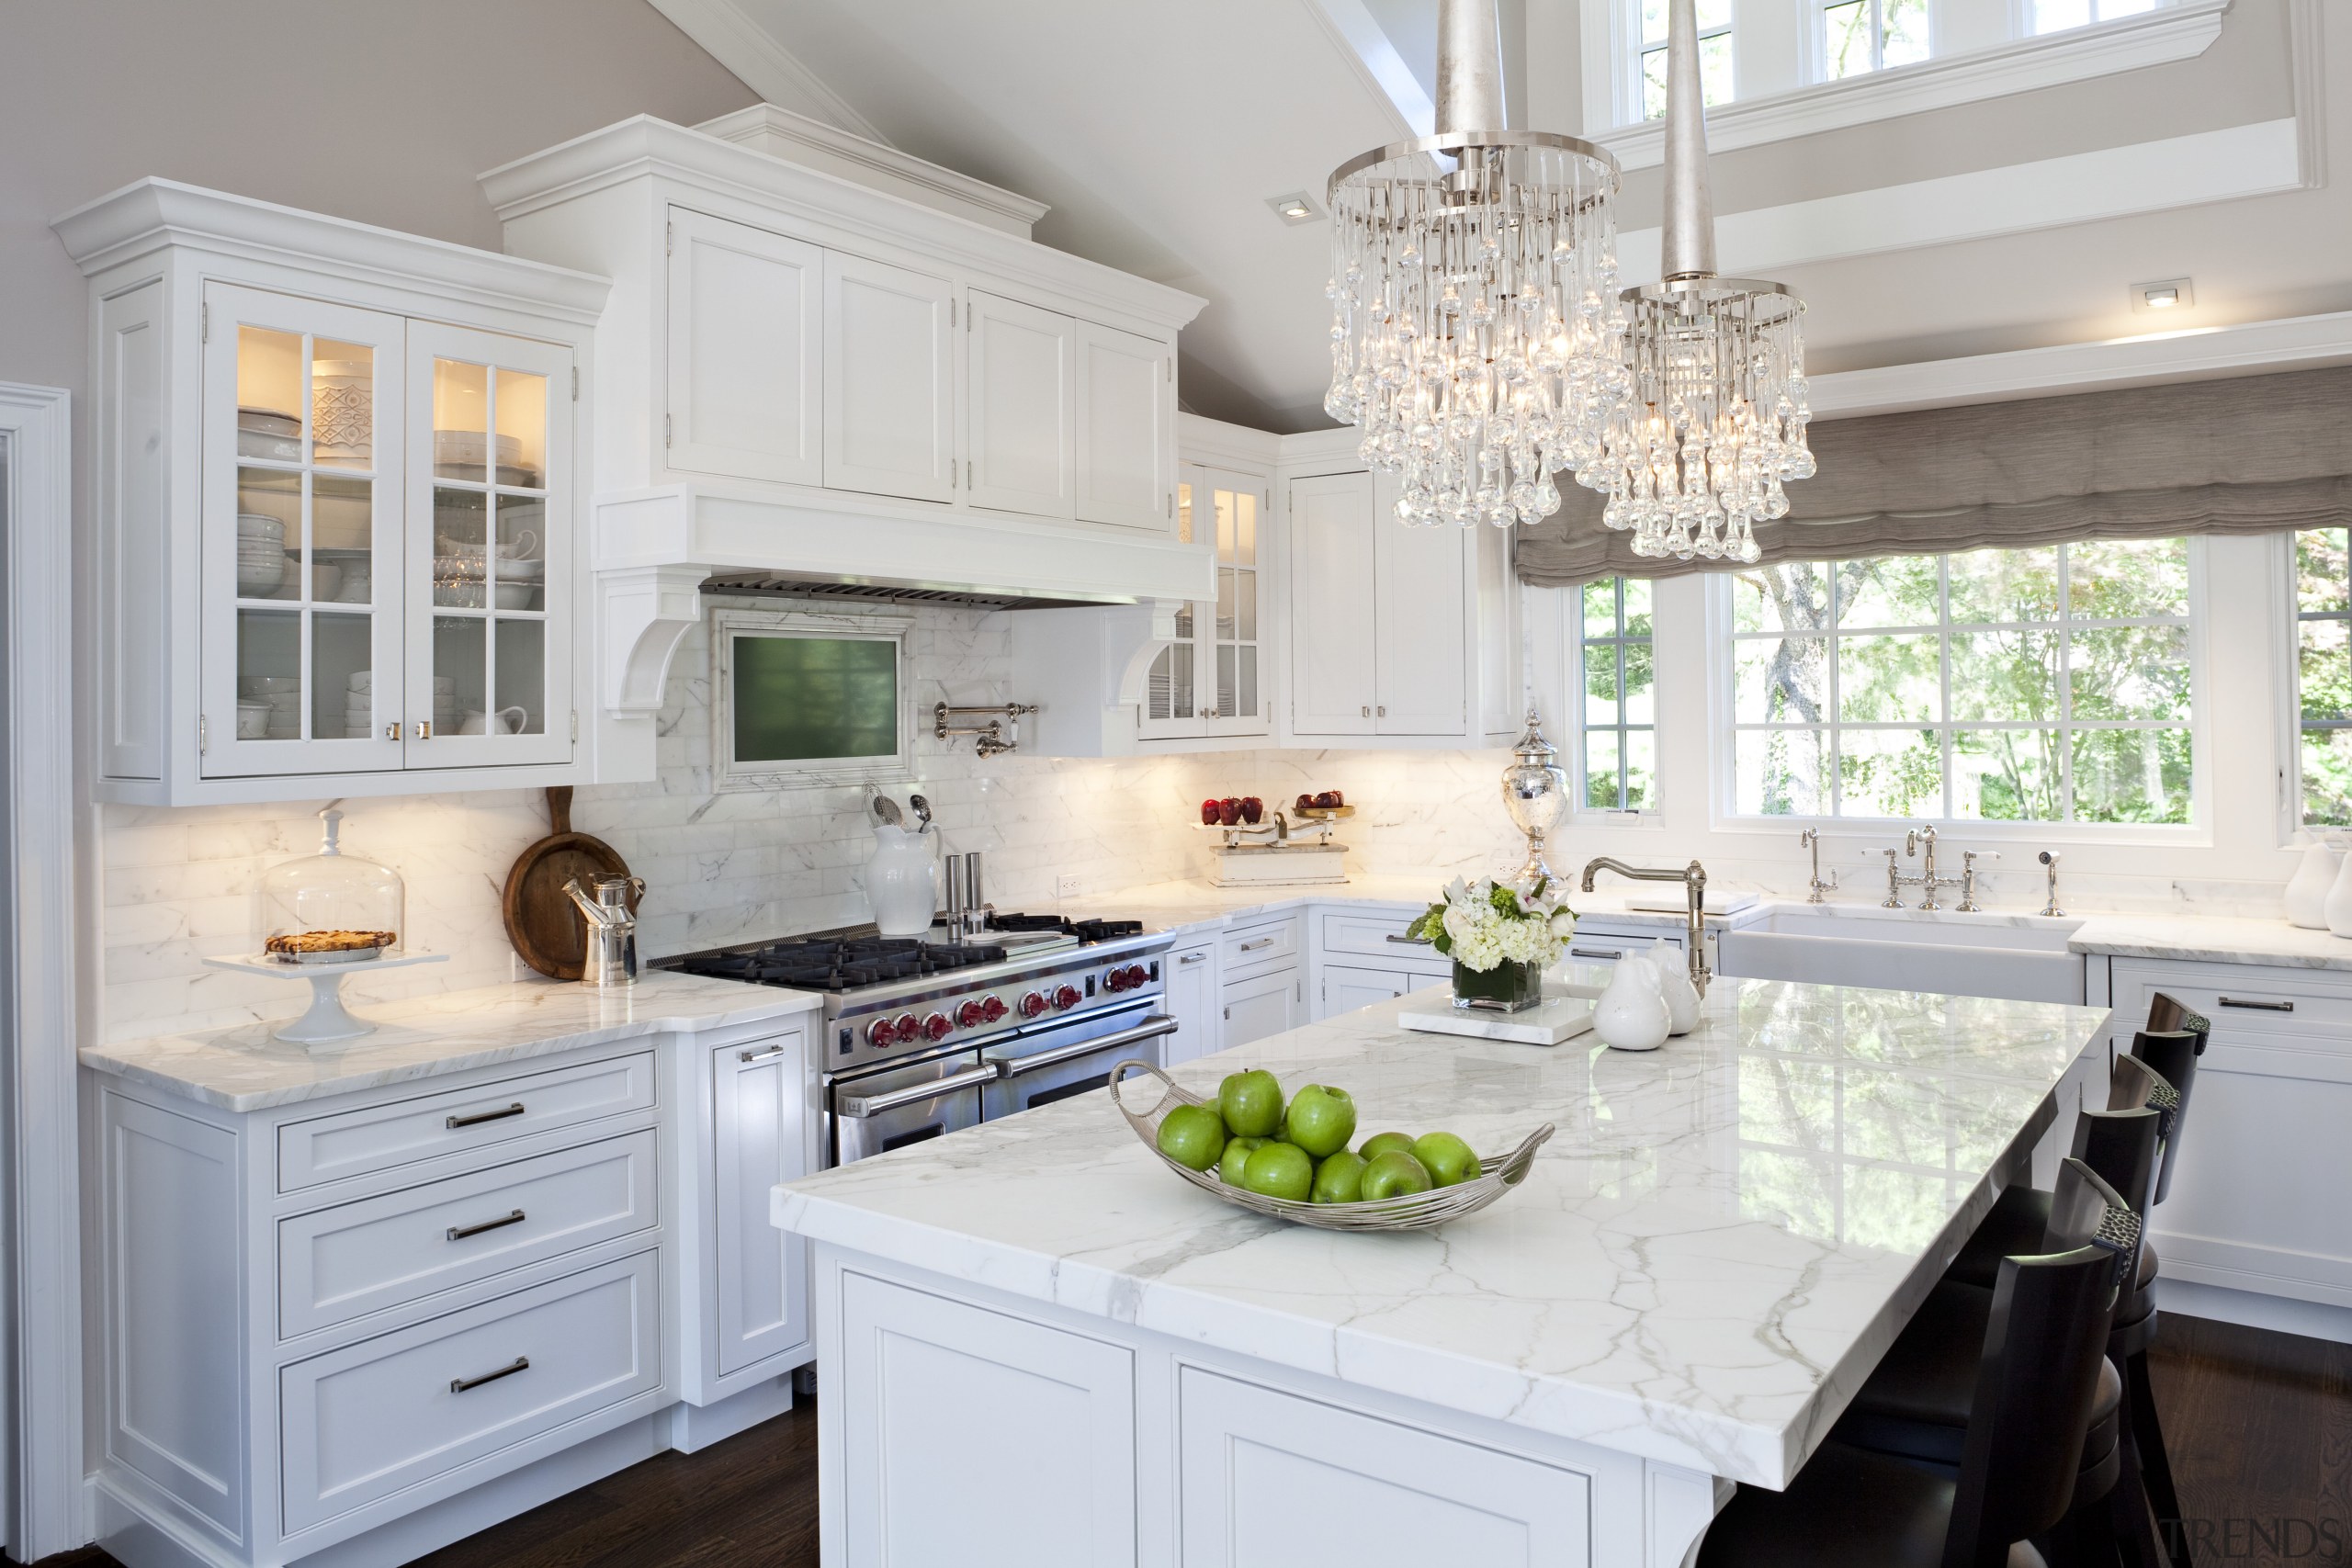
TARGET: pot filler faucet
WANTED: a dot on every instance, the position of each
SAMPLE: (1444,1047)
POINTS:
(1693,878)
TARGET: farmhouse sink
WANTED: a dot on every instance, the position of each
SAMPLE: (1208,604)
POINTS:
(2023,958)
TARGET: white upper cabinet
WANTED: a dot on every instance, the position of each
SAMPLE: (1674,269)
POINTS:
(338,504)
(1420,664)
(1332,639)
(1022,369)
(745,307)
(1126,429)
(889,410)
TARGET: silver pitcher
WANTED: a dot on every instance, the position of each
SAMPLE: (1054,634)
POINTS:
(611,959)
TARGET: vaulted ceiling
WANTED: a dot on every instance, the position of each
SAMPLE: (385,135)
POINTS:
(1159,132)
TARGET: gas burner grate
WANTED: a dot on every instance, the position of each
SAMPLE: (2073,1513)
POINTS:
(1084,931)
(838,965)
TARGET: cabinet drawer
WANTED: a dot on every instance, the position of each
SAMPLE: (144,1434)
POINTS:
(389,1414)
(2239,998)
(356,1259)
(1378,936)
(1259,949)
(331,1148)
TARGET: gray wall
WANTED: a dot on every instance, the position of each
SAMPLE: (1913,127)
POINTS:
(383,112)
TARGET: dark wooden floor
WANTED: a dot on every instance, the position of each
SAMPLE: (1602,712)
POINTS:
(2260,1430)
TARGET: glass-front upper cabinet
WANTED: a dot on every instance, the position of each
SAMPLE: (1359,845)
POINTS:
(300,545)
(1210,681)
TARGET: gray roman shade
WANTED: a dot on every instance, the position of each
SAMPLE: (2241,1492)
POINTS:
(2254,453)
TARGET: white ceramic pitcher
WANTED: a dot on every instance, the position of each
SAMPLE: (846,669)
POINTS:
(898,881)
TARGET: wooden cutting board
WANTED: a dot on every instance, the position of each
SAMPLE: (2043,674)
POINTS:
(542,923)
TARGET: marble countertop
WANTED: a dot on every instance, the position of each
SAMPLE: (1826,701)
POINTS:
(1188,907)
(1721,1241)
(2218,939)
(245,1068)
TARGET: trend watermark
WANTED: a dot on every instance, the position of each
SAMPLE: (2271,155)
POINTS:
(2275,1540)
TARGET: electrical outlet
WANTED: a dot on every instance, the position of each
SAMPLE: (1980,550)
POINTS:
(1065,888)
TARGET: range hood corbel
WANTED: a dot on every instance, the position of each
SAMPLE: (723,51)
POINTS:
(1087,669)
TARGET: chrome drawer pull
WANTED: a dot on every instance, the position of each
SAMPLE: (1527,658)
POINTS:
(1193,958)
(2258,1007)
(459,1233)
(1594,953)
(770,1054)
(1261,942)
(460,1385)
(476,1119)
(1411,940)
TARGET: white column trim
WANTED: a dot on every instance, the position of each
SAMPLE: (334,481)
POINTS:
(47,1506)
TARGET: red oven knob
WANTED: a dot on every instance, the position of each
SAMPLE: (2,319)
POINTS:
(992,1008)
(907,1029)
(972,1014)
(881,1031)
(1136,974)
(1033,1004)
(1117,980)
(936,1026)
(1066,999)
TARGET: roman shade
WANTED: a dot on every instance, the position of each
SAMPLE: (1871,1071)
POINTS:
(2253,454)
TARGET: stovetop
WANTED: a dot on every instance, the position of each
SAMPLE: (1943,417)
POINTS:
(827,965)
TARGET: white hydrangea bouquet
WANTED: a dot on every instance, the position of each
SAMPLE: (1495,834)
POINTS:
(1500,939)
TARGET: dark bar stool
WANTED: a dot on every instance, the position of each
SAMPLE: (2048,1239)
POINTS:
(2037,1381)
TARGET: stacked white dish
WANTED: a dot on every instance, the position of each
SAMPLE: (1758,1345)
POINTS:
(261,555)
(270,434)
(359,708)
(460,455)
(284,696)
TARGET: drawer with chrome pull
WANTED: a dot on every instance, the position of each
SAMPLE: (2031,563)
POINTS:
(338,1264)
(1380,935)
(457,1120)
(390,1413)
(1261,949)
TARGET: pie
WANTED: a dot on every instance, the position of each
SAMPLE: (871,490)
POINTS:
(328,942)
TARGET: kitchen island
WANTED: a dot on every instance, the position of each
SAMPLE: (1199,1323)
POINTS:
(1040,1346)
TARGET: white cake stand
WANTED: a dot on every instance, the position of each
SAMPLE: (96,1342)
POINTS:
(328,1019)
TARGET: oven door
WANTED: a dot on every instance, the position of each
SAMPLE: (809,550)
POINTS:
(1057,1062)
(871,1113)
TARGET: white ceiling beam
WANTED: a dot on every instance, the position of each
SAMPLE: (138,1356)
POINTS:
(1366,46)
(761,64)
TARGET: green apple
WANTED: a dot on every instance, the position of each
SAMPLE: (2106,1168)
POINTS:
(1280,1171)
(1252,1103)
(1321,1120)
(1381,1143)
(1447,1159)
(1394,1175)
(1340,1180)
(1191,1135)
(1237,1155)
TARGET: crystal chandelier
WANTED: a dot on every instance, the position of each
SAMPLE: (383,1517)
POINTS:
(1715,422)
(1477,338)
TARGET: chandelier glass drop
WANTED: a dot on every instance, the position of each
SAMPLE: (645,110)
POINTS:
(1476,336)
(1716,420)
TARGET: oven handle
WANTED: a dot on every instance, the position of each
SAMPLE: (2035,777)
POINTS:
(860,1106)
(1150,1029)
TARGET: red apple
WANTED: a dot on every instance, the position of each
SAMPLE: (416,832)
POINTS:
(1228,811)
(1305,803)
(1252,809)
(1208,813)
(1337,800)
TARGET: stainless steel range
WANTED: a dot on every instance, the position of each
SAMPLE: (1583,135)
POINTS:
(920,1038)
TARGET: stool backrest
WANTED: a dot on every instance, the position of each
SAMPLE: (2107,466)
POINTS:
(2171,1054)
(2087,1211)
(2123,1147)
(2166,1015)
(2035,1384)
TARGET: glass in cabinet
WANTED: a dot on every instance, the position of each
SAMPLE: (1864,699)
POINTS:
(1208,681)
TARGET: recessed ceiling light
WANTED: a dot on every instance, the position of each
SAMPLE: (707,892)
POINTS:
(1297,207)
(2166,294)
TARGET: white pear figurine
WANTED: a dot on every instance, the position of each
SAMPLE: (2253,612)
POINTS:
(1632,1015)
(2337,910)
(1674,984)
(2306,896)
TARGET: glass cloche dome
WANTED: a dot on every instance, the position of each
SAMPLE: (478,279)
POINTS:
(331,907)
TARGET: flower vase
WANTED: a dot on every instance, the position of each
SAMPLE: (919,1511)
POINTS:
(1507,987)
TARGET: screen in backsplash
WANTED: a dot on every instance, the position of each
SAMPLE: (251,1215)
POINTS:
(808,699)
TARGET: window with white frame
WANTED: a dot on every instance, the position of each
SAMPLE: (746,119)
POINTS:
(2324,675)
(1617,722)
(1718,78)
(1857,37)
(2039,686)
(2058,16)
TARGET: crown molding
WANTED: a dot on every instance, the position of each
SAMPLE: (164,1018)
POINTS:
(721,29)
(1202,439)
(798,138)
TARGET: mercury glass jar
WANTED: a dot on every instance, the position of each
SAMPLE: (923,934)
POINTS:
(331,907)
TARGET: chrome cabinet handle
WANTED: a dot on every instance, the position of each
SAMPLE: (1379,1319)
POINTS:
(459,1233)
(862,1106)
(1193,958)
(1367,710)
(1150,1029)
(1411,940)
(520,1364)
(770,1054)
(1594,953)
(391,732)
(2258,1007)
(480,1117)
(425,729)
(1261,942)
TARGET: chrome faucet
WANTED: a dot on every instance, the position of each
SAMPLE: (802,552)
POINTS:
(1968,858)
(1919,840)
(1693,878)
(2051,860)
(1811,839)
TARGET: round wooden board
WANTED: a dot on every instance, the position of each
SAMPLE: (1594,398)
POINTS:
(540,921)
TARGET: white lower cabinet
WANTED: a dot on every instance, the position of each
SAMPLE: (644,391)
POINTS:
(1364,957)
(760,1280)
(1346,987)
(1268,1478)
(1193,1000)
(979,1438)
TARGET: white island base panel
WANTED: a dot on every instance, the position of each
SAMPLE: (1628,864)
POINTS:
(1708,1258)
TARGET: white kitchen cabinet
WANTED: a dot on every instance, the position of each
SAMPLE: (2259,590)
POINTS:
(1333,633)
(1194,1001)
(1420,665)
(1364,955)
(1022,369)
(339,546)
(1267,1004)
(1210,681)
(889,398)
(1127,428)
(745,330)
(1347,986)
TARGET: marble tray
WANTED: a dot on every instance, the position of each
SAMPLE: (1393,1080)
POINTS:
(1547,1024)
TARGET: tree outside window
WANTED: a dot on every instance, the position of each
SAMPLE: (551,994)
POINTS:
(2057,16)
(1716,73)
(1616,729)
(2041,685)
(2324,674)
(1861,36)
